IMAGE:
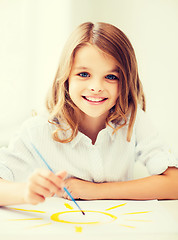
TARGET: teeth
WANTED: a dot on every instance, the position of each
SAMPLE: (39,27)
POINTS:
(94,99)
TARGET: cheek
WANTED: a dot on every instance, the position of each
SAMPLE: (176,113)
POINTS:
(115,91)
(74,89)
(71,87)
(116,94)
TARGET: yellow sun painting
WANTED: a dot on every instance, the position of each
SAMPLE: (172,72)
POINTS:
(69,216)
(60,217)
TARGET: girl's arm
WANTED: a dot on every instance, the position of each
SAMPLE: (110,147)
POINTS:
(164,186)
(11,193)
(41,184)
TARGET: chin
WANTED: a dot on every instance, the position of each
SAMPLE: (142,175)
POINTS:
(96,115)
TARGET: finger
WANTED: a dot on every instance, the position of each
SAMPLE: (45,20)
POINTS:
(37,199)
(39,178)
(51,178)
(40,190)
(52,194)
(47,185)
(33,198)
(62,175)
(66,196)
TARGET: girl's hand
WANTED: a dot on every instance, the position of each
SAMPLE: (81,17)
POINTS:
(41,184)
(80,189)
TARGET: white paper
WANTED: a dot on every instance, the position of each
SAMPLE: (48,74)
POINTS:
(102,217)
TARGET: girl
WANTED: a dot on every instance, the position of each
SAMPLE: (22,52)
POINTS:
(97,129)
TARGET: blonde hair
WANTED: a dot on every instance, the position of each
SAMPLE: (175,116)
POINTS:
(114,42)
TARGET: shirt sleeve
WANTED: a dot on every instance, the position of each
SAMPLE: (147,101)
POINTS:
(17,160)
(151,150)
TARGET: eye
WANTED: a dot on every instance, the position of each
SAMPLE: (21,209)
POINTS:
(84,74)
(111,77)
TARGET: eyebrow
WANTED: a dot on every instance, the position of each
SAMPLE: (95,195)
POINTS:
(81,68)
(116,69)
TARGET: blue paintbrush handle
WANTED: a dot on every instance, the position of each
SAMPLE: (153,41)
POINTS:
(42,158)
(65,189)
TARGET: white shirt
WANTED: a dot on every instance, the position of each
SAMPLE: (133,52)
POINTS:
(111,158)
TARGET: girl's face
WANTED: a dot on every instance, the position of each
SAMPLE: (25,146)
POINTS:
(94,81)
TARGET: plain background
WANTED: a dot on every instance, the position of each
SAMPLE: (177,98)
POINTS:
(32,35)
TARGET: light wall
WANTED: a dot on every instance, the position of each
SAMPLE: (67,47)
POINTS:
(32,34)
(152,27)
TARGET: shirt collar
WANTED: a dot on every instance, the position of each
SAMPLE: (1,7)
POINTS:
(82,137)
(77,139)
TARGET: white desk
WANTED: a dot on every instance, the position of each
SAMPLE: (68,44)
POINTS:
(172,207)
(169,205)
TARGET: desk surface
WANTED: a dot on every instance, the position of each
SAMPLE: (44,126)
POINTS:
(172,207)
(169,206)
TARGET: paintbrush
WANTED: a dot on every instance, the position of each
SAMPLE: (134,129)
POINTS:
(65,189)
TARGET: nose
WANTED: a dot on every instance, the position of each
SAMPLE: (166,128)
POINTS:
(96,86)
(94,90)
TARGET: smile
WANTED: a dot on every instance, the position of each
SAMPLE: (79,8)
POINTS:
(94,99)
